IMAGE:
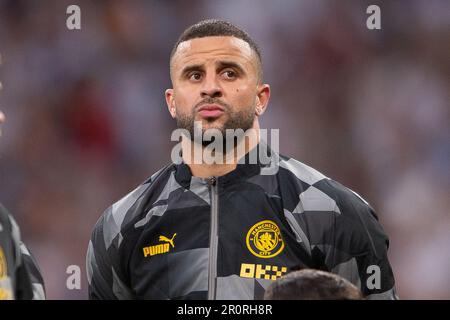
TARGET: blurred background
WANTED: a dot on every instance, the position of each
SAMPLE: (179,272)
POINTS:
(87,120)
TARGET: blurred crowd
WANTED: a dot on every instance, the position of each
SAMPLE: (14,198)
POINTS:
(87,120)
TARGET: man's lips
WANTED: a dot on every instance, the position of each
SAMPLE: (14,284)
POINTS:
(210,111)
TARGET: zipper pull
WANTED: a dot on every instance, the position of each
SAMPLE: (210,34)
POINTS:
(212,181)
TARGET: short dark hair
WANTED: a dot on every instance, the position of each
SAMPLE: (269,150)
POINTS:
(310,284)
(214,28)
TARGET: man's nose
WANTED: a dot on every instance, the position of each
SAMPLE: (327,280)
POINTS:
(211,88)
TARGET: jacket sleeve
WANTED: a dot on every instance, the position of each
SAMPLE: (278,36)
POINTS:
(29,282)
(32,271)
(105,280)
(98,266)
(355,247)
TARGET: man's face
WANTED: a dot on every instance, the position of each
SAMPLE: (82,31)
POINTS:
(216,81)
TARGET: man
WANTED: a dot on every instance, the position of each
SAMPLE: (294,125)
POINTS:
(309,284)
(20,277)
(212,230)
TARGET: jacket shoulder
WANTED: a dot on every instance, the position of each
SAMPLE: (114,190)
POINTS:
(5,223)
(331,213)
(116,219)
(318,192)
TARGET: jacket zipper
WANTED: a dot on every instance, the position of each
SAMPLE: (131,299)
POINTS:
(213,238)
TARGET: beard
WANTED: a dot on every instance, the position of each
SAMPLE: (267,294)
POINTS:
(235,120)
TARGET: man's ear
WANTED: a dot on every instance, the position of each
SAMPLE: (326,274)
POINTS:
(262,98)
(170,101)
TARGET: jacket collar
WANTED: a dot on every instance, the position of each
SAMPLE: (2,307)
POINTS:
(247,167)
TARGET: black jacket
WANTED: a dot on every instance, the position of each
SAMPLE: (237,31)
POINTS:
(181,237)
(20,277)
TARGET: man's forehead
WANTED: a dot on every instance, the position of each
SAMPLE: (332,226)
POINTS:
(206,47)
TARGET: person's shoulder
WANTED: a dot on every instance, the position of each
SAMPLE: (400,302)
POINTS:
(319,192)
(117,218)
(331,209)
(4,214)
(301,171)
(6,220)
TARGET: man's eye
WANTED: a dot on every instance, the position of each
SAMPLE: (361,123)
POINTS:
(195,76)
(229,74)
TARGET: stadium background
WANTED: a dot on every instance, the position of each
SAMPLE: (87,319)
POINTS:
(87,121)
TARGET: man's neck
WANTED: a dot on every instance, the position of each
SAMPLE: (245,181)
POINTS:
(207,170)
(229,160)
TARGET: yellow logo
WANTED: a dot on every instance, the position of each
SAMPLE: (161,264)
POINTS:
(3,265)
(264,239)
(5,294)
(258,271)
(160,248)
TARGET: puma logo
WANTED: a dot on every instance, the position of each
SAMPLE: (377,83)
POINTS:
(165,239)
(159,248)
